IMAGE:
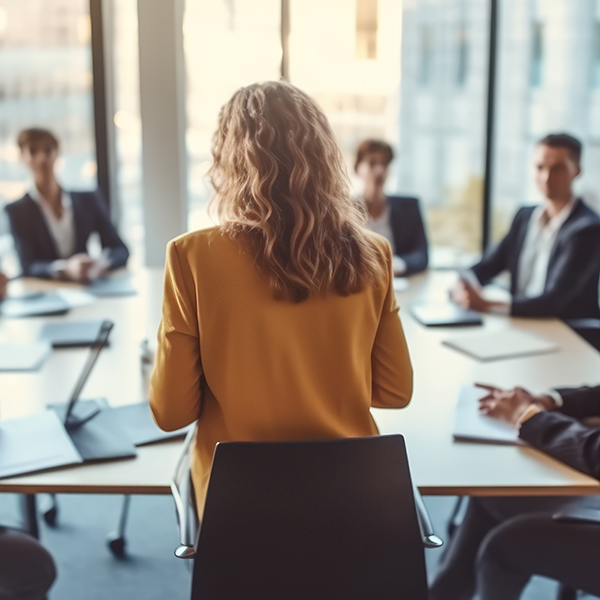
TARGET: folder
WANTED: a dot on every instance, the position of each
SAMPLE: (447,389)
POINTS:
(510,343)
(71,334)
(444,314)
(473,426)
(136,419)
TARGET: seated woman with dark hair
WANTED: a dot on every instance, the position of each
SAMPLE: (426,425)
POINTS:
(281,323)
(51,226)
(397,218)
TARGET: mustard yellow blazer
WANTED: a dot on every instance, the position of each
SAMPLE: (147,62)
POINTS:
(249,367)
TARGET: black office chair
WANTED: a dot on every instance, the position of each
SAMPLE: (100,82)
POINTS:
(318,519)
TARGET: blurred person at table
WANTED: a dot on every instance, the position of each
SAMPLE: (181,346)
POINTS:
(51,226)
(281,323)
(397,218)
(503,542)
(26,568)
(552,251)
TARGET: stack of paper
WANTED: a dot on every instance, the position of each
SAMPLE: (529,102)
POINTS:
(500,344)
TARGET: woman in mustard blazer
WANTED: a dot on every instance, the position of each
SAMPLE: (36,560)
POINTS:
(281,323)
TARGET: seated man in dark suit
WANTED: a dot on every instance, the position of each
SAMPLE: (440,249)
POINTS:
(551,251)
(51,226)
(503,542)
(396,218)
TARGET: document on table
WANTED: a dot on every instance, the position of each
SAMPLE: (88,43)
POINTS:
(497,345)
(112,286)
(35,443)
(23,357)
(72,334)
(473,426)
(36,304)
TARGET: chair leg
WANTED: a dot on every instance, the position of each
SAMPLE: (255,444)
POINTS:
(116,539)
(51,515)
(452,521)
(29,507)
(566,593)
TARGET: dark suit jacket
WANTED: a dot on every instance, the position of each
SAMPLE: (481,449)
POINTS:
(560,434)
(571,290)
(35,244)
(408,230)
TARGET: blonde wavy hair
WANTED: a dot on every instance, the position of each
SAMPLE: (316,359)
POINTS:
(282,188)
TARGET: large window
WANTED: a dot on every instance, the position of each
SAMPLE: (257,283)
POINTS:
(227,45)
(442,120)
(45,81)
(543,86)
(347,56)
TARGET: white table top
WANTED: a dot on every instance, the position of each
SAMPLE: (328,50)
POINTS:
(439,465)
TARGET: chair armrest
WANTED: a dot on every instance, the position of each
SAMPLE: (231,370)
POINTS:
(430,540)
(182,490)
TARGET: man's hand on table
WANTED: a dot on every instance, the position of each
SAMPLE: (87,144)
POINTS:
(514,405)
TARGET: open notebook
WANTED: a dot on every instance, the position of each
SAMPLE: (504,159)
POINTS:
(473,426)
(497,345)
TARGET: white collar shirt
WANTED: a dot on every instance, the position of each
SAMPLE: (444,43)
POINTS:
(381,225)
(62,230)
(537,249)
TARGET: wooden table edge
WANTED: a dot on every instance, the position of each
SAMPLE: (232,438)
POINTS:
(572,490)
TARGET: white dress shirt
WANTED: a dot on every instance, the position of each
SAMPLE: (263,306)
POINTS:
(62,230)
(537,248)
(381,225)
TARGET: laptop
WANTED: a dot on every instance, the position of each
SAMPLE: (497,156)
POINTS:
(72,334)
(92,426)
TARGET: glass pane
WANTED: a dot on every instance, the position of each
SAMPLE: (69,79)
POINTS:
(348,59)
(228,44)
(443,105)
(127,124)
(45,81)
(548,65)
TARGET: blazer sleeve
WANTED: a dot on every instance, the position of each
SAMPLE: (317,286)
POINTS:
(22,236)
(392,375)
(417,258)
(575,265)
(117,250)
(580,402)
(497,260)
(566,439)
(176,384)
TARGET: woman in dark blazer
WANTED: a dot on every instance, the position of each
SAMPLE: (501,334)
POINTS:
(51,227)
(396,218)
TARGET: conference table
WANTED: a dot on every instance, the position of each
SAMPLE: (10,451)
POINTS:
(439,465)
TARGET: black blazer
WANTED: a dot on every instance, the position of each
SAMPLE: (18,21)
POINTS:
(410,240)
(35,244)
(560,434)
(571,290)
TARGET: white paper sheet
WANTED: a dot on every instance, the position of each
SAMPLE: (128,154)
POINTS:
(23,357)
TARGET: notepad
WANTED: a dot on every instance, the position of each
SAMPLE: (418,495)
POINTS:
(510,343)
(73,334)
(473,426)
(112,286)
(34,305)
(444,314)
(23,357)
(35,443)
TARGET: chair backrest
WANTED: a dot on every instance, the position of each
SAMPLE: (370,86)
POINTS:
(310,520)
